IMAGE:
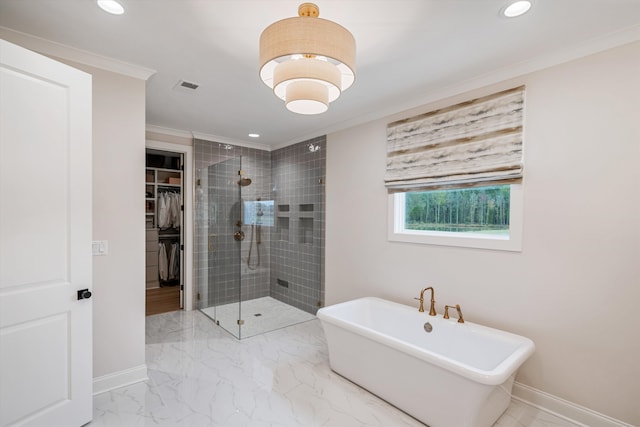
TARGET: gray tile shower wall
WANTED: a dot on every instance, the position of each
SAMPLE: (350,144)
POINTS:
(218,259)
(288,262)
(297,240)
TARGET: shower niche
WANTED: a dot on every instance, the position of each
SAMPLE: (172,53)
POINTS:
(305,231)
(303,217)
(305,224)
(282,232)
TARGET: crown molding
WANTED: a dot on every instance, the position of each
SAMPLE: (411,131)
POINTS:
(223,140)
(586,48)
(231,141)
(169,131)
(51,48)
(206,137)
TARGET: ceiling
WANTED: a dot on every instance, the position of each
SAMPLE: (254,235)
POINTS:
(409,52)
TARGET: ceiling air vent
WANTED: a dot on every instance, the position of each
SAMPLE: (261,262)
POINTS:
(185,86)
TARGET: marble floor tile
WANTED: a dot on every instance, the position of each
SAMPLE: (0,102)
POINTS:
(199,375)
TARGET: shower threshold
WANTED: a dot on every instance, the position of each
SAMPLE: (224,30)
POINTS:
(260,315)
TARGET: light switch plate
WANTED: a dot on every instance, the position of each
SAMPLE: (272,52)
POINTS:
(100,247)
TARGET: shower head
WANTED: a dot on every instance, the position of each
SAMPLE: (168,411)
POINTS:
(243,181)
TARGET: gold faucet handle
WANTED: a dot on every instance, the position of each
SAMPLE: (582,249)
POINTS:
(421,308)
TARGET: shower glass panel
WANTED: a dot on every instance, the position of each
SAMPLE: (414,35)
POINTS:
(273,278)
(223,194)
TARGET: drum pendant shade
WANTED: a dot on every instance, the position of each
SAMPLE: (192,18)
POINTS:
(307,49)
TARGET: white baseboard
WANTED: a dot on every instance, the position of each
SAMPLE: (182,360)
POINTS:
(119,379)
(579,415)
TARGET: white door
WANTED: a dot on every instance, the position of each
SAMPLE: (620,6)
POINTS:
(45,241)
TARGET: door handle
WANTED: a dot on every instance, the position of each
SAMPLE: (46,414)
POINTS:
(84,294)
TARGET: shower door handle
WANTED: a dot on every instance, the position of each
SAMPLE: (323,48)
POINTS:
(238,236)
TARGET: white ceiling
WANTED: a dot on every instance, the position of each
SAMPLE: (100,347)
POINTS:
(409,52)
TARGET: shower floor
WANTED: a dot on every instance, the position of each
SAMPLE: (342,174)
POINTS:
(260,315)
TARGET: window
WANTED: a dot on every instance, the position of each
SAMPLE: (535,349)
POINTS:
(454,174)
(480,217)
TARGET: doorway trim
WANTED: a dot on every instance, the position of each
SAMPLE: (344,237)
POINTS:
(187,152)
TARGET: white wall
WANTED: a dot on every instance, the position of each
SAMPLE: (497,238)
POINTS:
(118,216)
(574,289)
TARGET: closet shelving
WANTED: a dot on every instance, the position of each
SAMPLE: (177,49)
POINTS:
(158,180)
(161,180)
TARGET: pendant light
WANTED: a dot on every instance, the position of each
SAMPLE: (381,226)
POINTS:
(307,61)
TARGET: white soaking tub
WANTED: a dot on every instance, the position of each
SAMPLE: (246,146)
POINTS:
(457,375)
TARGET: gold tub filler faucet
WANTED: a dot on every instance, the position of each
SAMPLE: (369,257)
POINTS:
(457,307)
(432,308)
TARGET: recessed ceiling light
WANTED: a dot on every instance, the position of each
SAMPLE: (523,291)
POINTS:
(254,135)
(516,8)
(111,6)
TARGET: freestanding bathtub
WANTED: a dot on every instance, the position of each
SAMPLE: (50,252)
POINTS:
(457,375)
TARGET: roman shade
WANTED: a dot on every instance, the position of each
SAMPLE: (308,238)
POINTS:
(474,143)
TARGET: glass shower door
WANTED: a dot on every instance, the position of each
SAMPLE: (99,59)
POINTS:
(224,237)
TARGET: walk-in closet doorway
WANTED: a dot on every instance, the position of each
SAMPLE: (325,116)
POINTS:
(164,207)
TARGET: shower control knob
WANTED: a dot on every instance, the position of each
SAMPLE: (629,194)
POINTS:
(238,236)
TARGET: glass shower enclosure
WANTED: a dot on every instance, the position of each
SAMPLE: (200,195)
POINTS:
(249,271)
(239,219)
(223,219)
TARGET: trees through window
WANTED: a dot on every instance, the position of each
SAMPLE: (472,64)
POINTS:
(470,210)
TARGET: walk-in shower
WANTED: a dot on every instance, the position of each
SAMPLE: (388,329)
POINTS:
(258,256)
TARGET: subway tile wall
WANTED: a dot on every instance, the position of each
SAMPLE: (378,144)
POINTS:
(219,260)
(297,240)
(288,262)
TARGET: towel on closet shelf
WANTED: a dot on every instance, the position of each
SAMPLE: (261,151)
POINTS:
(163,267)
